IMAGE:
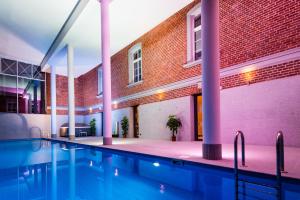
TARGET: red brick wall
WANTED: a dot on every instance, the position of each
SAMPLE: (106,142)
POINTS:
(249,29)
(62,92)
(266,74)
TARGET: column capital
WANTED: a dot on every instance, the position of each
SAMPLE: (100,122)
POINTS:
(109,1)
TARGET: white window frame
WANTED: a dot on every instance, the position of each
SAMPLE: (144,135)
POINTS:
(131,62)
(100,81)
(195,11)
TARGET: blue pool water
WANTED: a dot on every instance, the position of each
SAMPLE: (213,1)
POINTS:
(42,170)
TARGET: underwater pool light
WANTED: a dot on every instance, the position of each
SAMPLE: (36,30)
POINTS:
(156,164)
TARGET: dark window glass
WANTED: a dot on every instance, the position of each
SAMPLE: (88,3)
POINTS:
(37,73)
(8,94)
(8,66)
(198,55)
(31,97)
(197,21)
(25,70)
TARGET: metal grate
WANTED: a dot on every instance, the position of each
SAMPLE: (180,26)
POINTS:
(25,70)
(9,67)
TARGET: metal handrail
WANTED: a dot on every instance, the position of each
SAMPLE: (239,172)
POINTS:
(279,161)
(279,153)
(239,133)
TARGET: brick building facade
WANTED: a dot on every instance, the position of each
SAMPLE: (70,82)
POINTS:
(259,42)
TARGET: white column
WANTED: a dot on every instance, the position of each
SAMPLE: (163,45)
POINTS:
(106,65)
(71,96)
(53,101)
(53,172)
(72,174)
(212,148)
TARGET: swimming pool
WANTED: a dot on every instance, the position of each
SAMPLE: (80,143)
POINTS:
(42,169)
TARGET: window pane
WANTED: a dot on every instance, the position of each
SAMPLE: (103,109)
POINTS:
(135,65)
(135,56)
(197,35)
(197,21)
(198,45)
(37,73)
(8,94)
(9,66)
(25,70)
(30,96)
(198,55)
(140,67)
(139,53)
(100,80)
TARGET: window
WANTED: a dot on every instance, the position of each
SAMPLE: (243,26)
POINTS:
(194,48)
(22,87)
(135,64)
(100,82)
(197,37)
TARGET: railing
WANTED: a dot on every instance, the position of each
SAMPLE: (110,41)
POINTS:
(279,161)
(236,167)
(241,135)
(279,166)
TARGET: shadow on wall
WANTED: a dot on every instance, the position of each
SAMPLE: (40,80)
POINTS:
(13,126)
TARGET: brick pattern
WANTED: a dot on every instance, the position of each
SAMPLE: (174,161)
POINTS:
(249,29)
(62,92)
(266,74)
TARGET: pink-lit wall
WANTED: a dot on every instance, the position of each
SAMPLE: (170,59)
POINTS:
(260,110)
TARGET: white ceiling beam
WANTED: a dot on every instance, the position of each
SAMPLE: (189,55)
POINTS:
(79,7)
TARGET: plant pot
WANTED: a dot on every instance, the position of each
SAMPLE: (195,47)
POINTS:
(173,138)
(124,136)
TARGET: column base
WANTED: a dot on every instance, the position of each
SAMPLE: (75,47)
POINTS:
(212,151)
(71,137)
(53,136)
(107,141)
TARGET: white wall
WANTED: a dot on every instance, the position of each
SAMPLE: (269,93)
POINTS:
(18,125)
(117,116)
(98,118)
(261,109)
(153,118)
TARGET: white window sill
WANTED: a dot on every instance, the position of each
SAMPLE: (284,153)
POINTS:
(99,96)
(134,84)
(192,63)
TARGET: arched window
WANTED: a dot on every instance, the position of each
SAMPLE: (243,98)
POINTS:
(135,64)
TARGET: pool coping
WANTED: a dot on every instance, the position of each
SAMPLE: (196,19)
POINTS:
(285,179)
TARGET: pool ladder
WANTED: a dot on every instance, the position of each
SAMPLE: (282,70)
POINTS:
(241,183)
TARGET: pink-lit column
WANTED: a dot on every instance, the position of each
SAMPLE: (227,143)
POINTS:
(105,42)
(212,148)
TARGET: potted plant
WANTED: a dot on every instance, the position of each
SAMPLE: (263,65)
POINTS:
(93,126)
(125,126)
(173,124)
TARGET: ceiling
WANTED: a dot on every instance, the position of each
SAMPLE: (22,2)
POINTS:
(28,28)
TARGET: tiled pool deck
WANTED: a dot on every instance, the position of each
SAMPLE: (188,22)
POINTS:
(258,158)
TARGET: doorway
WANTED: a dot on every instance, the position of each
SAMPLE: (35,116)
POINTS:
(136,131)
(198,117)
